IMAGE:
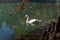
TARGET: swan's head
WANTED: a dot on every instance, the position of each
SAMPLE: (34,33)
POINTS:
(26,15)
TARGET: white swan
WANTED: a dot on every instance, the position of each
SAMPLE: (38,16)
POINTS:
(32,21)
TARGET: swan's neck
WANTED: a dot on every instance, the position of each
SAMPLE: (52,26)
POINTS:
(27,19)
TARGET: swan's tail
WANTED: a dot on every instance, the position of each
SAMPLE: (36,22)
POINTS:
(40,20)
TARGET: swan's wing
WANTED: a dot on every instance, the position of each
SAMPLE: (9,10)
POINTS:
(32,20)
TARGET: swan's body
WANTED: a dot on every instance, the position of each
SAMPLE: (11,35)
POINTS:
(32,21)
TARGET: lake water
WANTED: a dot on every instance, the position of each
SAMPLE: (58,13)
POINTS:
(5,32)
